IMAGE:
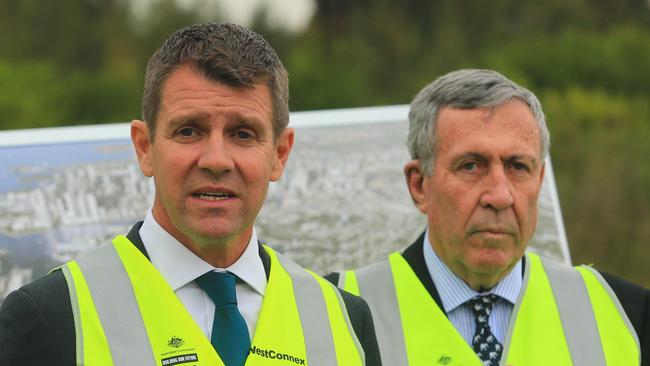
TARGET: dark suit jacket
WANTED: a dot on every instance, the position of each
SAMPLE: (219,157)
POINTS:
(634,299)
(37,327)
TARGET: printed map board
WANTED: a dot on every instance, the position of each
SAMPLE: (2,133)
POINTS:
(341,203)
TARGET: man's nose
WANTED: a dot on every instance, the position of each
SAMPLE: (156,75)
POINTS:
(215,155)
(497,193)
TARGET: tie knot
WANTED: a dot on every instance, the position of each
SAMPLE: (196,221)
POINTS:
(482,305)
(220,287)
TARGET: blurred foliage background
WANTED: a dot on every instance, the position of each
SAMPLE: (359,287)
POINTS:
(82,62)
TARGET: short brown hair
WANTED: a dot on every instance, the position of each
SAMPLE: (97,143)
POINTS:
(223,52)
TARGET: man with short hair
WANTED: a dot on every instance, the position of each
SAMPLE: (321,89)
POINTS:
(191,284)
(466,292)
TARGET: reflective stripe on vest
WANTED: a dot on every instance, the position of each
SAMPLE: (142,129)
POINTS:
(619,332)
(378,289)
(126,314)
(326,337)
(553,316)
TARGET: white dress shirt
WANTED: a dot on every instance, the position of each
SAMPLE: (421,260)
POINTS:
(454,293)
(180,267)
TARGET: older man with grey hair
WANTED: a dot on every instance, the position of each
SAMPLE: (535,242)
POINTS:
(466,292)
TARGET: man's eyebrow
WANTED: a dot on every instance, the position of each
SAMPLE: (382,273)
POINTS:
(248,120)
(470,155)
(480,157)
(521,157)
(190,118)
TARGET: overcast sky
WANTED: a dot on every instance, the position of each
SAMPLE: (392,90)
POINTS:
(292,15)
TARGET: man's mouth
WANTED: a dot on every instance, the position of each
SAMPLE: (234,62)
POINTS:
(494,231)
(213,196)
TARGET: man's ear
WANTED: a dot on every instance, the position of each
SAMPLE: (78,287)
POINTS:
(142,145)
(282,149)
(415,182)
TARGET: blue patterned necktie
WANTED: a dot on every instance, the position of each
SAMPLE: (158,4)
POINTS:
(230,336)
(485,344)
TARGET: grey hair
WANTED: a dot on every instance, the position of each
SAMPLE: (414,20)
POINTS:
(464,89)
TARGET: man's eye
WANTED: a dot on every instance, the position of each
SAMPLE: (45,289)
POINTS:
(186,132)
(520,167)
(469,167)
(243,135)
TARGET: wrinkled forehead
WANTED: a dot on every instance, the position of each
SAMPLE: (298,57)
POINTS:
(510,126)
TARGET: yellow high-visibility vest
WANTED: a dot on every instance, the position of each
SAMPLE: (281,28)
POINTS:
(125,313)
(563,316)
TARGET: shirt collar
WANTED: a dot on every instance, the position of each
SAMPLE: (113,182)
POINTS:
(179,266)
(454,291)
